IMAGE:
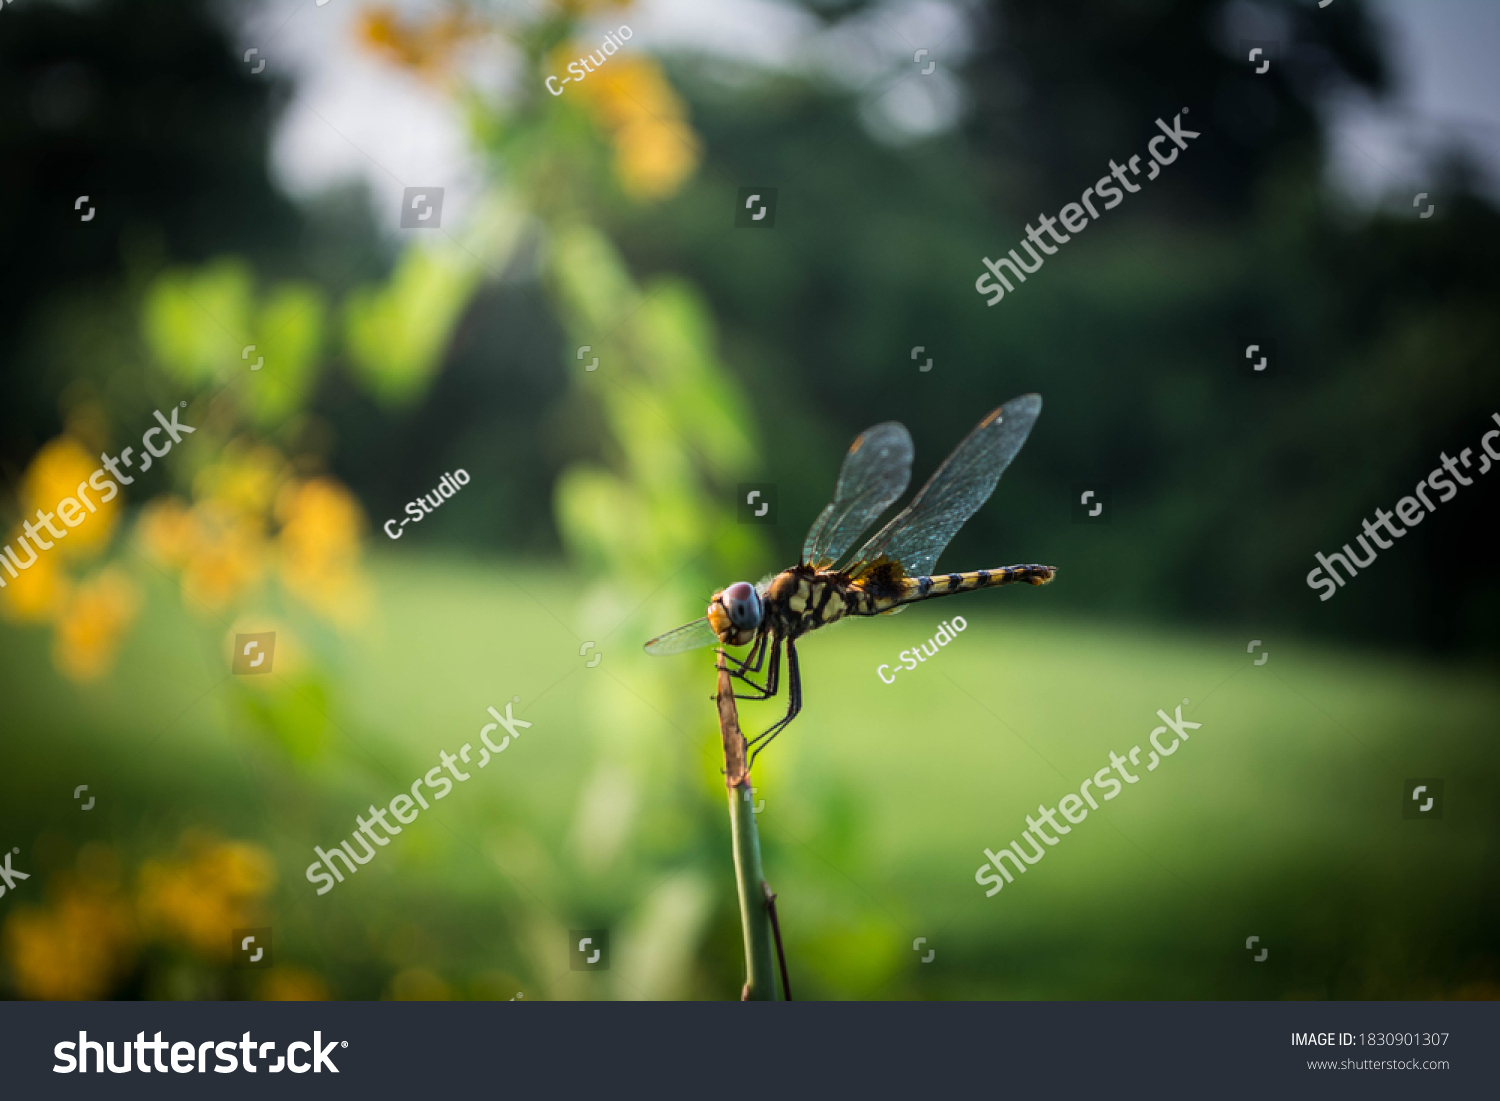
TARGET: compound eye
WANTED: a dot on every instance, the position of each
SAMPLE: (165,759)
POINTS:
(742,603)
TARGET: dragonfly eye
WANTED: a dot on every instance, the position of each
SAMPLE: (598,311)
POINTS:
(742,603)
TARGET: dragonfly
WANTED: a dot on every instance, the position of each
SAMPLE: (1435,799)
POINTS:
(894,567)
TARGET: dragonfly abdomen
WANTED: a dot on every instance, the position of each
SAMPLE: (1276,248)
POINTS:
(921,588)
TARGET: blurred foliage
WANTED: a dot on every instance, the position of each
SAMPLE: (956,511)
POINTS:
(204,327)
(398,332)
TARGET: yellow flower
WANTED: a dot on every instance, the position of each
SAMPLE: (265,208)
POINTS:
(168,532)
(40,591)
(655,148)
(89,630)
(320,520)
(291,984)
(202,896)
(653,159)
(246,479)
(424,46)
(222,544)
(228,557)
(60,472)
(78,946)
(320,528)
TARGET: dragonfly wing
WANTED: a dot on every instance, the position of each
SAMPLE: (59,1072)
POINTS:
(876,471)
(693,636)
(918,534)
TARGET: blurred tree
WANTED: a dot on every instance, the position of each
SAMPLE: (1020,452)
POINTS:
(146,110)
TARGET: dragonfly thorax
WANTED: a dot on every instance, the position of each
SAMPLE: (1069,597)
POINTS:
(735,613)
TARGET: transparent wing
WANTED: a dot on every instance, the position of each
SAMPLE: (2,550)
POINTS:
(918,534)
(876,471)
(693,636)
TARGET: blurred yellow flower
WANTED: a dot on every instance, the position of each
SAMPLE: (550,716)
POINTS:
(653,160)
(291,984)
(202,896)
(91,617)
(58,471)
(76,947)
(425,46)
(655,147)
(40,591)
(223,546)
(89,629)
(245,479)
(168,532)
(321,524)
(229,555)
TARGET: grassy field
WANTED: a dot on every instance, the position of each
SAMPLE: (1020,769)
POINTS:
(1281,818)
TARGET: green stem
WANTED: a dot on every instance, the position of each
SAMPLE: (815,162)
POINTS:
(760,980)
(760,985)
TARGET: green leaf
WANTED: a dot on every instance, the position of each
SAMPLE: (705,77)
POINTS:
(196,323)
(289,336)
(396,334)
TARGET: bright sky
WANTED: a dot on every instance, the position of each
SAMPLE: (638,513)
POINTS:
(1444,56)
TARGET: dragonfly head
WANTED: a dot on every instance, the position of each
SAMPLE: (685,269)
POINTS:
(735,614)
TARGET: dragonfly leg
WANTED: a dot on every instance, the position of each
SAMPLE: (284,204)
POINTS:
(794,694)
(751,662)
(773,676)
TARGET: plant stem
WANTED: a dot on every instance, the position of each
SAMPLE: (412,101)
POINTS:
(760,981)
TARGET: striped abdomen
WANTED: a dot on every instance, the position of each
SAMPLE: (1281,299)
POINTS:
(921,588)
